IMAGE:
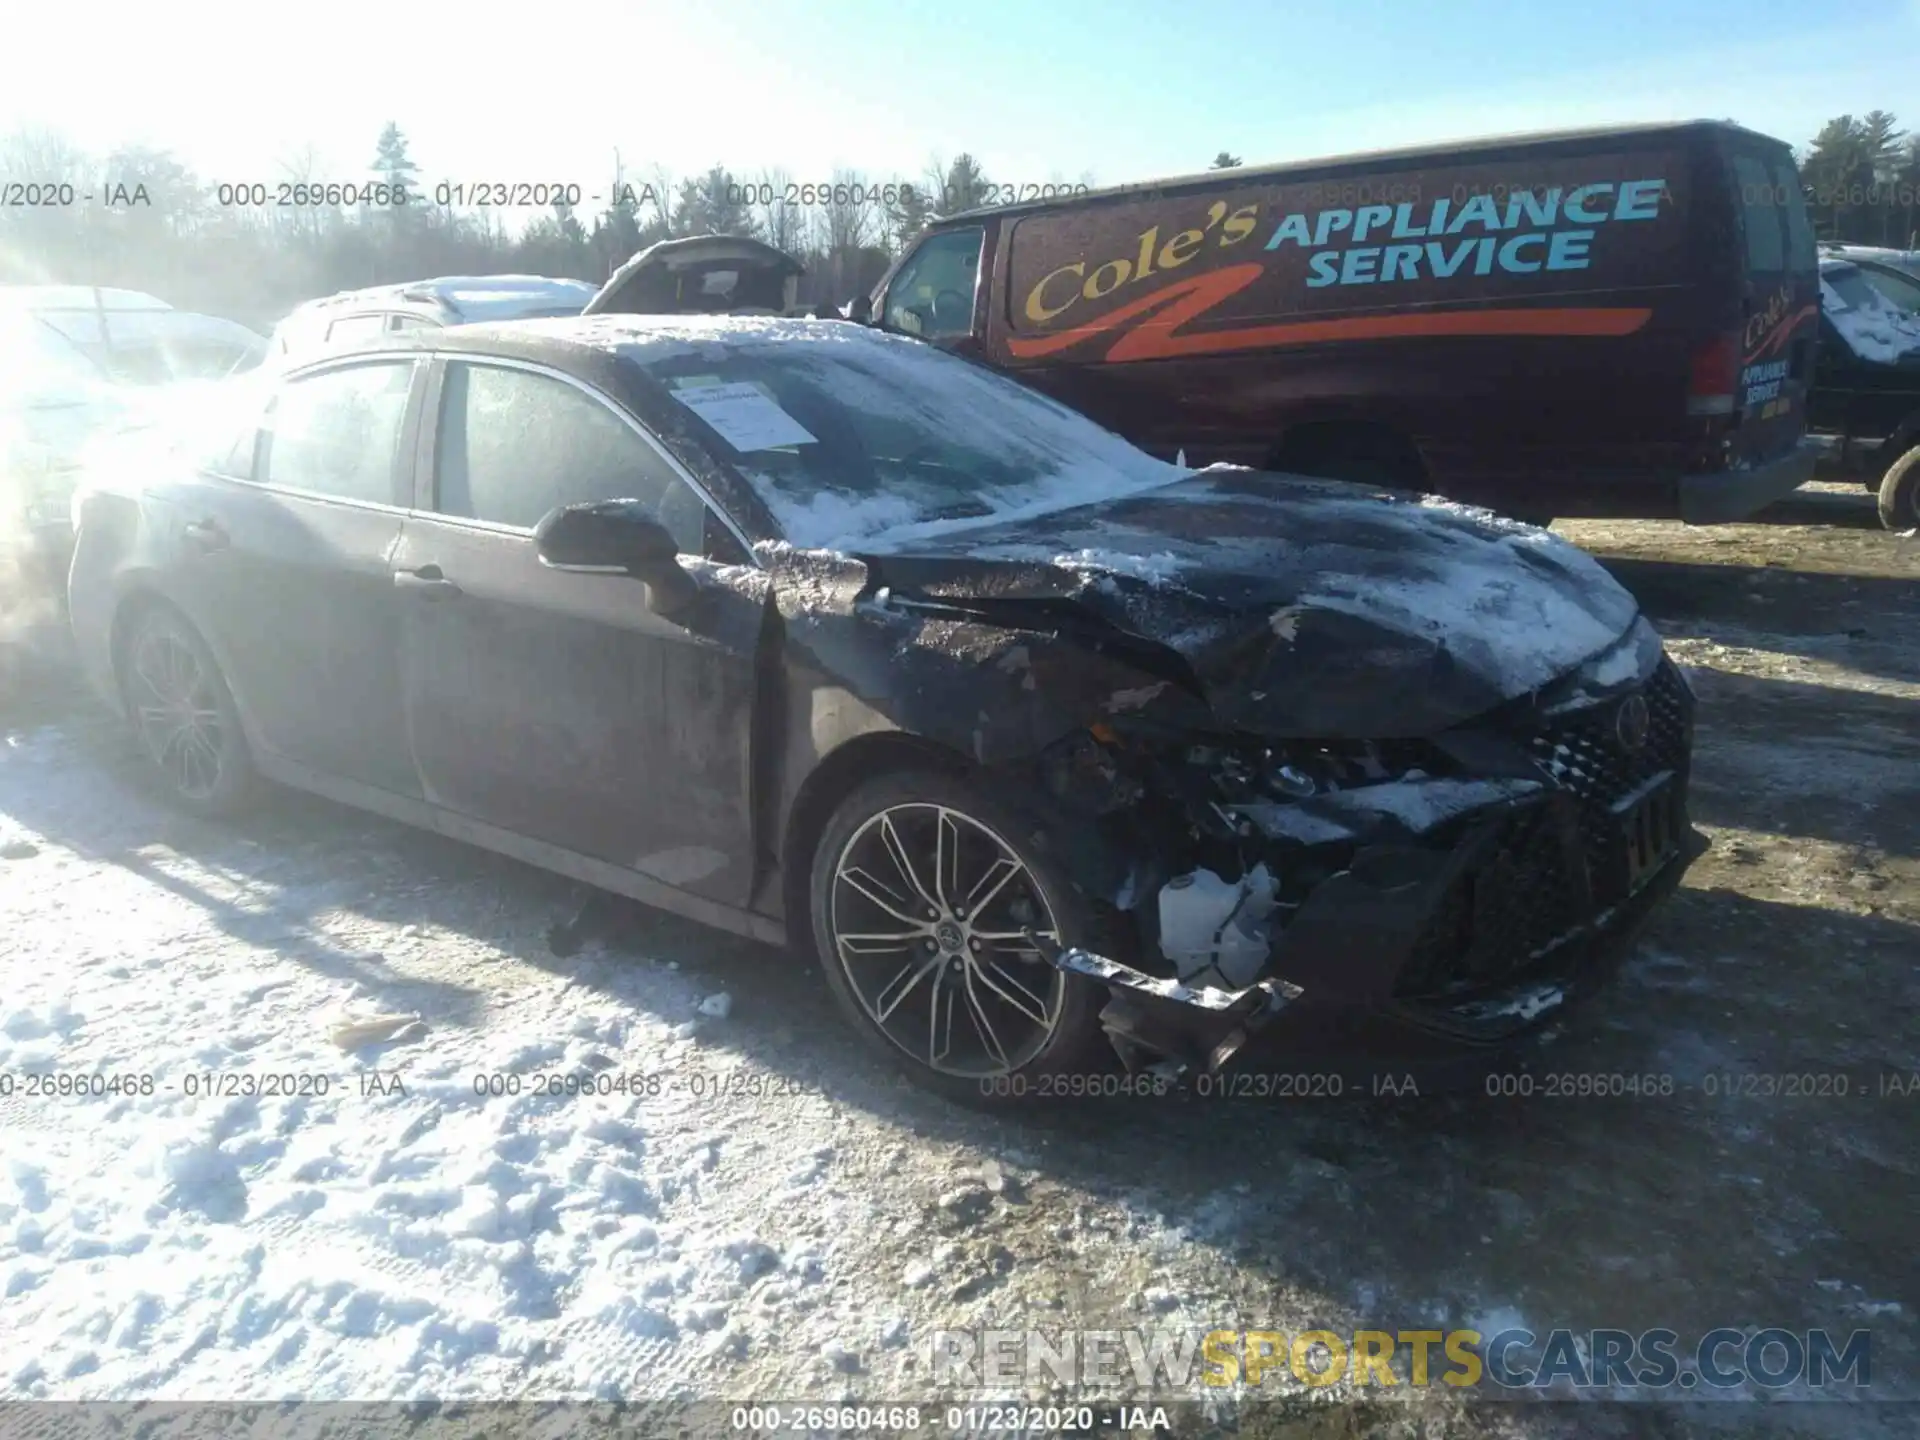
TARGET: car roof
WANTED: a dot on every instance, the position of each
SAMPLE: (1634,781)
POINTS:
(626,335)
(1252,174)
(462,294)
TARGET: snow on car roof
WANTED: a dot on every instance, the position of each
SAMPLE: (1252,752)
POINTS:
(464,292)
(501,297)
(648,337)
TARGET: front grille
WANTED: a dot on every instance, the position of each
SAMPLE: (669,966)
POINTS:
(1555,866)
(1582,753)
(1499,919)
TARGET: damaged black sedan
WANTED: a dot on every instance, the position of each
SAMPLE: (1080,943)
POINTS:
(1059,756)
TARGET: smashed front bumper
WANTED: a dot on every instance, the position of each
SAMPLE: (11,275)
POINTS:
(1410,953)
(1483,909)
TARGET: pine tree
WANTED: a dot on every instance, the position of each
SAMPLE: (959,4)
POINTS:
(963,186)
(391,161)
(907,216)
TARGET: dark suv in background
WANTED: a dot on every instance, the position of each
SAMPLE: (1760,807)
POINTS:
(1866,392)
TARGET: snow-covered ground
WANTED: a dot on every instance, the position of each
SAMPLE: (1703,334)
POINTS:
(730,1199)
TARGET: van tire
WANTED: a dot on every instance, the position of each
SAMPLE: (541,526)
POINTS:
(1900,492)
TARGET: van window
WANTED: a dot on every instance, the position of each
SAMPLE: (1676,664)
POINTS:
(1801,253)
(932,296)
(1761,207)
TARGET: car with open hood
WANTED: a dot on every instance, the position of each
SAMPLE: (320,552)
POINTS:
(1061,758)
(702,275)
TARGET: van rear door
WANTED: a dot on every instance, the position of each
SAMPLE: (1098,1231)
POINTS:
(1780,301)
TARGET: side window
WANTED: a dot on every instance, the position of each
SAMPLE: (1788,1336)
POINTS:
(338,433)
(351,328)
(514,445)
(227,447)
(1760,208)
(932,295)
(401,323)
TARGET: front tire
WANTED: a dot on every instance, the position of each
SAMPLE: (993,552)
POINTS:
(1900,492)
(921,887)
(183,715)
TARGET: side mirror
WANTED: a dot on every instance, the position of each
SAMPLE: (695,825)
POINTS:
(860,310)
(616,537)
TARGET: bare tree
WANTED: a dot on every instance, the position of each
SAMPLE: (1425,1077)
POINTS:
(849,212)
(783,225)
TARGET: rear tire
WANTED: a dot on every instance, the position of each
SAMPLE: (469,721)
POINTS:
(945,990)
(183,715)
(1900,492)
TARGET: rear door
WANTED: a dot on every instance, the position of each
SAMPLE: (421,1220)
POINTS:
(555,705)
(1780,300)
(284,564)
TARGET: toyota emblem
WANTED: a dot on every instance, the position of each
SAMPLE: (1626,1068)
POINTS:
(1631,722)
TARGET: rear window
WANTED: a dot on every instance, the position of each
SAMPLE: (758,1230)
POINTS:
(1773,215)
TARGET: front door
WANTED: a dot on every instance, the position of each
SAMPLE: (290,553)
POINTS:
(557,705)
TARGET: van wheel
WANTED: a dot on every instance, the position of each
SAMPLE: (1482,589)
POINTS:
(1900,492)
(922,890)
(184,715)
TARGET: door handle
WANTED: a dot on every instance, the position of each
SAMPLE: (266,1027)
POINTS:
(204,535)
(427,582)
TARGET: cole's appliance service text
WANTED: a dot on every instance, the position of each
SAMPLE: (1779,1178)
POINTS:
(1316,259)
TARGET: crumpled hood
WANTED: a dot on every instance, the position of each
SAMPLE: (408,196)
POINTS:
(1304,608)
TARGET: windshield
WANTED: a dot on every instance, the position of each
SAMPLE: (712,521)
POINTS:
(1894,285)
(851,437)
(1852,286)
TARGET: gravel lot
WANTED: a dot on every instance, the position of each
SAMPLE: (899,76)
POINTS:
(806,1240)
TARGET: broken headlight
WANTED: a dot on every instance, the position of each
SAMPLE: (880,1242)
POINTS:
(1299,770)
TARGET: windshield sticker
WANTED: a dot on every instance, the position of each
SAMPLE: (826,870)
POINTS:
(744,417)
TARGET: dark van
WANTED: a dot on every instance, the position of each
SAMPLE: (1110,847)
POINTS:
(1603,322)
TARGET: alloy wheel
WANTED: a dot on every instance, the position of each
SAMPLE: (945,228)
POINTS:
(930,917)
(176,714)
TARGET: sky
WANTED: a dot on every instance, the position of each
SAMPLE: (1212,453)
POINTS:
(1038,90)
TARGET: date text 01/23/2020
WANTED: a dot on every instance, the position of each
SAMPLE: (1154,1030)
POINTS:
(909,1419)
(697,1085)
